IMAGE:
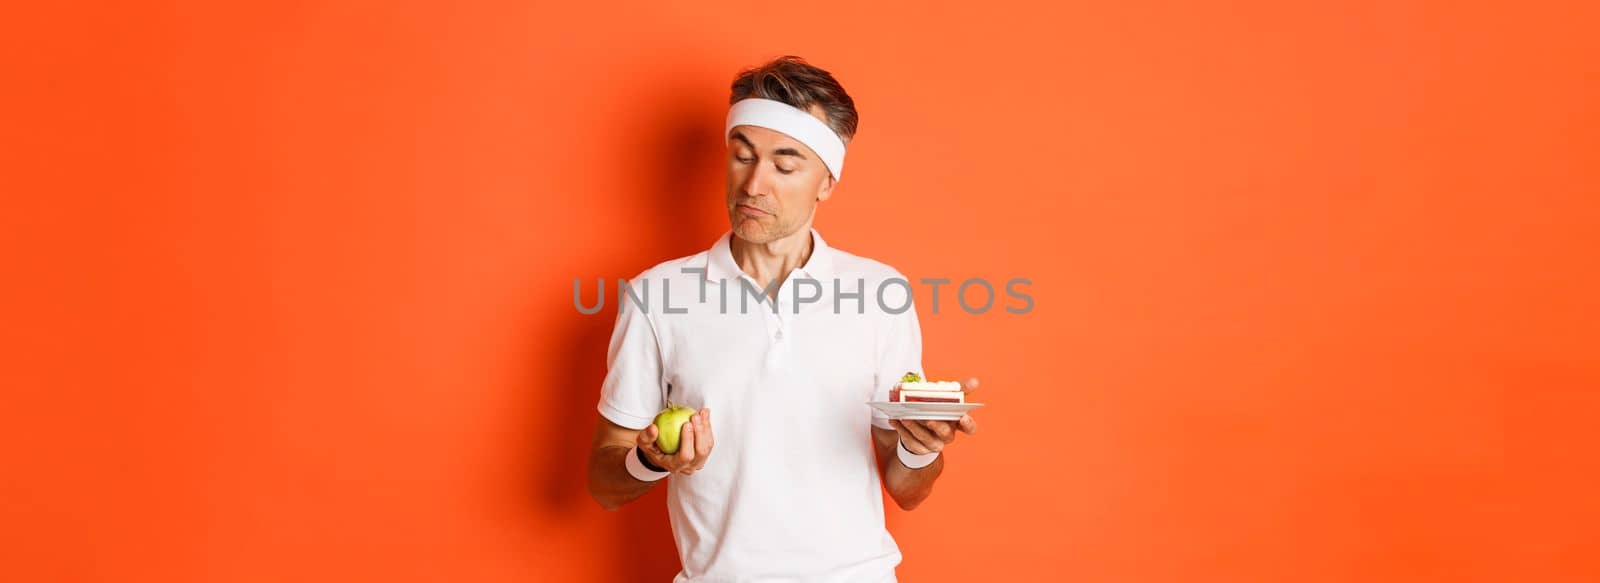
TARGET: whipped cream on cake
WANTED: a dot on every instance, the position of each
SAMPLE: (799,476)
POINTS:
(912,389)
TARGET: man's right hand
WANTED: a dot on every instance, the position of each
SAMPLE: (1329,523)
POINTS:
(694,445)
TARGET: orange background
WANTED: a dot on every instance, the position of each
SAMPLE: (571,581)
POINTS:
(288,285)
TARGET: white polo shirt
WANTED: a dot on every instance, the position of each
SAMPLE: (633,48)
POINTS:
(791,490)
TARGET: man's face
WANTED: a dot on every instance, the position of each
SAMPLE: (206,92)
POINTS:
(774,184)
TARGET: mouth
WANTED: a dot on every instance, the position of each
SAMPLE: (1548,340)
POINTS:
(751,211)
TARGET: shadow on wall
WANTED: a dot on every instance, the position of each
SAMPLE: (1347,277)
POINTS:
(680,170)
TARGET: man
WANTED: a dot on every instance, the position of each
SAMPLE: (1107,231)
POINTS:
(785,339)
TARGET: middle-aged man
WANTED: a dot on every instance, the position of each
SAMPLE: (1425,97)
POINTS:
(786,339)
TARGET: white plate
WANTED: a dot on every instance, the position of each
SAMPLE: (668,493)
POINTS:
(933,411)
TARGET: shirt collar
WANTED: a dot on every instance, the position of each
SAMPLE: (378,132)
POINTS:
(720,263)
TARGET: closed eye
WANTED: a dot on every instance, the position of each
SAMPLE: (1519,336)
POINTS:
(751,160)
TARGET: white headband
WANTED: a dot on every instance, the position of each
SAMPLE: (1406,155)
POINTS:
(782,117)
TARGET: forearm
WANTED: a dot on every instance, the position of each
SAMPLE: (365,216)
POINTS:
(910,487)
(609,481)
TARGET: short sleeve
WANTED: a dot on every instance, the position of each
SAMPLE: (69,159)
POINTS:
(899,352)
(631,395)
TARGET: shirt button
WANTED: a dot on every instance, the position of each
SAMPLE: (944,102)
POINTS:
(779,335)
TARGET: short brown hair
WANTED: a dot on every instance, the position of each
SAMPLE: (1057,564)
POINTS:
(792,80)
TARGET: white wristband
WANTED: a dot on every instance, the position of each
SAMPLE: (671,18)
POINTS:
(915,461)
(637,469)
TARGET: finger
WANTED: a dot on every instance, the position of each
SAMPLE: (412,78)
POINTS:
(941,430)
(969,425)
(652,452)
(686,444)
(709,436)
(647,437)
(969,385)
(914,443)
(702,443)
(900,428)
(921,438)
(937,430)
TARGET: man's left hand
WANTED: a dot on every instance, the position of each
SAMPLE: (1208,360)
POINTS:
(925,435)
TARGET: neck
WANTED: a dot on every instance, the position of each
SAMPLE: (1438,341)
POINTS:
(772,261)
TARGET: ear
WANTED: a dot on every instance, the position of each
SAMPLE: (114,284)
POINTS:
(827,188)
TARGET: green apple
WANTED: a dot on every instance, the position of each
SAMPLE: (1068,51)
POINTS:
(669,424)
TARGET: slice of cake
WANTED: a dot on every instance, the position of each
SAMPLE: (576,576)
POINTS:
(912,389)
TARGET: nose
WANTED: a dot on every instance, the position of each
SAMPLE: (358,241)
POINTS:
(757,181)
